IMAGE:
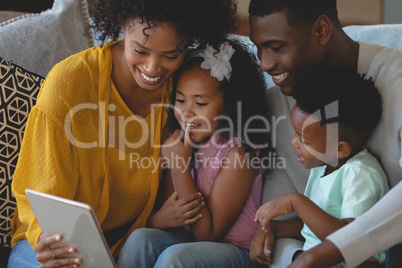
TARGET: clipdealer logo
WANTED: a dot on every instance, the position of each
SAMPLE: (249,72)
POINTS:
(148,131)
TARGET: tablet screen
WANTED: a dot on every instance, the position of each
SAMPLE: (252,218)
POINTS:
(76,222)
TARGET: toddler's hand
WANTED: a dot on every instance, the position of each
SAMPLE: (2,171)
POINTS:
(281,205)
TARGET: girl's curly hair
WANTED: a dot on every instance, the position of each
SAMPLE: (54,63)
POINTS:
(199,21)
(245,91)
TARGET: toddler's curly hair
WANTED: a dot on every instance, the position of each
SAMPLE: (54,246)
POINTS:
(359,102)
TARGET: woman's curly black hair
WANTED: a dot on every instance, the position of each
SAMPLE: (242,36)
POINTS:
(359,102)
(196,20)
(246,88)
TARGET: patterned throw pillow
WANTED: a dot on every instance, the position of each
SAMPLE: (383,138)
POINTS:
(18,91)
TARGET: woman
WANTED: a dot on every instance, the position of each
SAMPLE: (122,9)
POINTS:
(100,111)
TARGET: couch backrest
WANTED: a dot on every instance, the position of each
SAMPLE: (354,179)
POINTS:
(389,35)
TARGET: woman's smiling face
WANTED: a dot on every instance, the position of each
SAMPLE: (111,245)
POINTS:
(153,52)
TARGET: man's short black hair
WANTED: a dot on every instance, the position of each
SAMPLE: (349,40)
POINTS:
(359,103)
(297,11)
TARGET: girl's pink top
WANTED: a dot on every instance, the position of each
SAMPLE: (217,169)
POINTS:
(208,164)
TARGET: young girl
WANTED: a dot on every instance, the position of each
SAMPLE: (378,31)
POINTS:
(98,108)
(219,105)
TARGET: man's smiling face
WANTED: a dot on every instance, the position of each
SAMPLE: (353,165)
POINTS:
(288,53)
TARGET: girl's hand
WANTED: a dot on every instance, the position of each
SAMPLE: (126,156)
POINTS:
(177,150)
(281,205)
(47,257)
(261,246)
(177,212)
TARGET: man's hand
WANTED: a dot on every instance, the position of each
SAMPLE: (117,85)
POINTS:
(323,255)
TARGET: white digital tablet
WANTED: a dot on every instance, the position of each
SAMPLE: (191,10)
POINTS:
(76,222)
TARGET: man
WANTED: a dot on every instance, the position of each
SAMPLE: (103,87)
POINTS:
(294,38)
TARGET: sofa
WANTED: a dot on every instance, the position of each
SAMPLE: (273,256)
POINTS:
(31,44)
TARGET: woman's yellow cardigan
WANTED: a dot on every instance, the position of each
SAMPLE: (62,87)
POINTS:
(83,143)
